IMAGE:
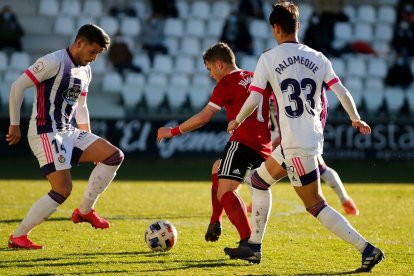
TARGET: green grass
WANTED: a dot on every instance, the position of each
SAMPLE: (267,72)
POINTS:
(295,242)
(350,171)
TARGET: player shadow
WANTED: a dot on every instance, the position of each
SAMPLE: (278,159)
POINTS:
(109,272)
(20,220)
(115,253)
(330,273)
(190,264)
(186,264)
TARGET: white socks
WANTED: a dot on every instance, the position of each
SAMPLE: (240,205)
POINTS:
(40,211)
(99,180)
(333,180)
(265,175)
(248,180)
(261,202)
(261,206)
(335,222)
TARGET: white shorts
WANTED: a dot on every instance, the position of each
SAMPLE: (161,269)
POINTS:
(58,151)
(301,170)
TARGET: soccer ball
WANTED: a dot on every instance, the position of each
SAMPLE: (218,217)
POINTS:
(161,236)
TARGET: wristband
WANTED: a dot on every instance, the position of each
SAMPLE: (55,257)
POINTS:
(176,131)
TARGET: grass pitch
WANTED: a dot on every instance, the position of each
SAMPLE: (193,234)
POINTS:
(295,242)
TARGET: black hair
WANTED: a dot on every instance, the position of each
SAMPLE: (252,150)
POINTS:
(93,33)
(286,15)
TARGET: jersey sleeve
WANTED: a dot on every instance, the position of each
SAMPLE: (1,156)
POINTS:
(220,96)
(44,68)
(84,92)
(260,78)
(330,77)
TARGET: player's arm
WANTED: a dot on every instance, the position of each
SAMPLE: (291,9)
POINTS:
(247,109)
(260,80)
(348,104)
(82,113)
(16,99)
(196,121)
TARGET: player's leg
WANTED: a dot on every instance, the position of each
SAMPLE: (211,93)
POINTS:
(262,178)
(108,159)
(331,177)
(54,160)
(214,229)
(234,206)
(236,160)
(306,182)
(247,181)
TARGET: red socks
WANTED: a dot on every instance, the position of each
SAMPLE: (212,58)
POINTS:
(237,214)
(215,203)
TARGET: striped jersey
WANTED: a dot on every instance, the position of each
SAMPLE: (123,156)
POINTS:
(298,76)
(59,85)
(231,92)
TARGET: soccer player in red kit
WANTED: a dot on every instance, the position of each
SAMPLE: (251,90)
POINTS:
(245,150)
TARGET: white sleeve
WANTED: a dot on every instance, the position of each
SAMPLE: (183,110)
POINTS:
(256,91)
(346,100)
(260,76)
(249,106)
(82,113)
(44,68)
(16,97)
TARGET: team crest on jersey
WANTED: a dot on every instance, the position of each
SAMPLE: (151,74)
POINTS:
(61,159)
(71,95)
(38,67)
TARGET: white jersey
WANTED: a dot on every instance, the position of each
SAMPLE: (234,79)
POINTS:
(59,85)
(298,76)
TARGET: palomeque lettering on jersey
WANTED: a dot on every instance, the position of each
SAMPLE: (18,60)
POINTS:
(296,59)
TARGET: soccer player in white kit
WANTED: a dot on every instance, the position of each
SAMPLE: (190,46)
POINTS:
(62,79)
(327,174)
(297,75)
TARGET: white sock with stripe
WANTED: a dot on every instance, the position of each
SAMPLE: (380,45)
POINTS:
(261,207)
(39,212)
(333,180)
(100,178)
(340,226)
(261,202)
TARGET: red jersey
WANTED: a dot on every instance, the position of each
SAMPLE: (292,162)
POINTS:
(231,92)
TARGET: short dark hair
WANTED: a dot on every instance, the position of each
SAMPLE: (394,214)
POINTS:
(286,15)
(219,51)
(93,33)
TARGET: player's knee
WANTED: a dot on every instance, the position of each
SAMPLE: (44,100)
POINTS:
(265,176)
(66,192)
(225,187)
(59,197)
(317,208)
(115,159)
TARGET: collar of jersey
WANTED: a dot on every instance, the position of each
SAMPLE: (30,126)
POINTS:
(290,41)
(71,57)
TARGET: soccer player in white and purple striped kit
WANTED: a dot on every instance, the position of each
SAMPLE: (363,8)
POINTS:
(297,75)
(62,79)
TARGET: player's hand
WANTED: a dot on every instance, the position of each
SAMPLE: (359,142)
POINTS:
(232,126)
(14,135)
(163,132)
(363,127)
